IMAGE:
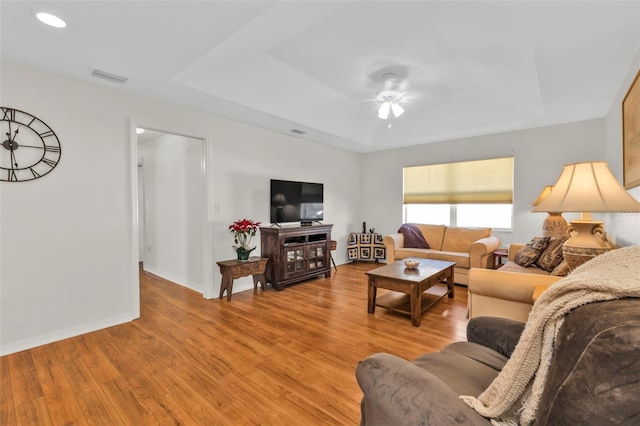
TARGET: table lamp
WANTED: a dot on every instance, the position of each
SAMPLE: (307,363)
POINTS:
(554,223)
(586,188)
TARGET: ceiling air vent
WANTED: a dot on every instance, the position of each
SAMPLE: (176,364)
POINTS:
(108,76)
(298,131)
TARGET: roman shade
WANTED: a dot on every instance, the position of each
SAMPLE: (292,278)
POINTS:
(469,182)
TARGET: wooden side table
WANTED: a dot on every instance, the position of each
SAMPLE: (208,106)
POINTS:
(232,269)
(498,256)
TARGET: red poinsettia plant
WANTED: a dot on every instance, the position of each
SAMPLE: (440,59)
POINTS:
(243,230)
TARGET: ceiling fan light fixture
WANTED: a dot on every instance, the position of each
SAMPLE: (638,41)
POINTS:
(390,98)
(397,110)
(383,111)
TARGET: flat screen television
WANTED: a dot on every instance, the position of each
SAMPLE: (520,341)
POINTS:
(296,202)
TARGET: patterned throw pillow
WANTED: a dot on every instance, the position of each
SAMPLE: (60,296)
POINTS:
(562,270)
(552,256)
(528,254)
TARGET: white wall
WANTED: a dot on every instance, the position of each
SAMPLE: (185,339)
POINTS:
(173,208)
(67,265)
(65,247)
(243,164)
(622,228)
(68,262)
(539,155)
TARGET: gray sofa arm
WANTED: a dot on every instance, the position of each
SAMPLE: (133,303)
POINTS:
(398,392)
(500,334)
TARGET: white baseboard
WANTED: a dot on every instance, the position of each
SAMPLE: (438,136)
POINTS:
(174,278)
(10,348)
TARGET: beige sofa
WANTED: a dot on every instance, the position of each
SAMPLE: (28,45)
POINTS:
(506,292)
(468,247)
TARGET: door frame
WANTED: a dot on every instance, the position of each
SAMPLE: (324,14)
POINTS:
(207,262)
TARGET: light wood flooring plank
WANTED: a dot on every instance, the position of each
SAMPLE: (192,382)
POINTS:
(7,406)
(58,392)
(263,358)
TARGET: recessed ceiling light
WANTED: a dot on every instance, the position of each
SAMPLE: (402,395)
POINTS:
(139,130)
(51,20)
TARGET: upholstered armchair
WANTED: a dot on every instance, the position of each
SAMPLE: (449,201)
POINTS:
(594,377)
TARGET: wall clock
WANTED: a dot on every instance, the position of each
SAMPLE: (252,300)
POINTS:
(30,149)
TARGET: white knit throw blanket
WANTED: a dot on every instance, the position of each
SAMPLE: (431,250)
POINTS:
(513,396)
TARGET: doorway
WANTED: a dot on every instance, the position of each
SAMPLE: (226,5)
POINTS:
(171,207)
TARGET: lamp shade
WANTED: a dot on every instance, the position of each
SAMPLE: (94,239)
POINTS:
(587,187)
(554,223)
(543,194)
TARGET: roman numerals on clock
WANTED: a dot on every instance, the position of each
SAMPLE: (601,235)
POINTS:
(29,148)
(8,114)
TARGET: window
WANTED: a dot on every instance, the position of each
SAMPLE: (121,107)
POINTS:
(496,216)
(427,213)
(472,193)
(485,215)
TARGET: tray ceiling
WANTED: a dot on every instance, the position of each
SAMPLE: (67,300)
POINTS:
(467,68)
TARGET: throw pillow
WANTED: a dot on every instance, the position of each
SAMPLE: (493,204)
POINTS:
(552,256)
(528,254)
(562,270)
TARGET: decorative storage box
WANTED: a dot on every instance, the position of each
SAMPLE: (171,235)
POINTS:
(365,247)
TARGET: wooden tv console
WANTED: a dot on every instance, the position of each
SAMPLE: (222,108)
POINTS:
(296,253)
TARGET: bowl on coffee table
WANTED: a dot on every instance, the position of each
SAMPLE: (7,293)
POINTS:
(411,263)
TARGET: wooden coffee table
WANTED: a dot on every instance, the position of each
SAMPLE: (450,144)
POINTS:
(411,285)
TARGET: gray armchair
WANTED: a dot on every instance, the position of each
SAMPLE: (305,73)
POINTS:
(594,377)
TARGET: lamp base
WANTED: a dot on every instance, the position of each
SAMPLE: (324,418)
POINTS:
(588,240)
(554,224)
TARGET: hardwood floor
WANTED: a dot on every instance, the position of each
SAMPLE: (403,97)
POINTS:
(272,358)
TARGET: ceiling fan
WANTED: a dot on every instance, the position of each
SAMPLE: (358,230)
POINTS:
(390,97)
